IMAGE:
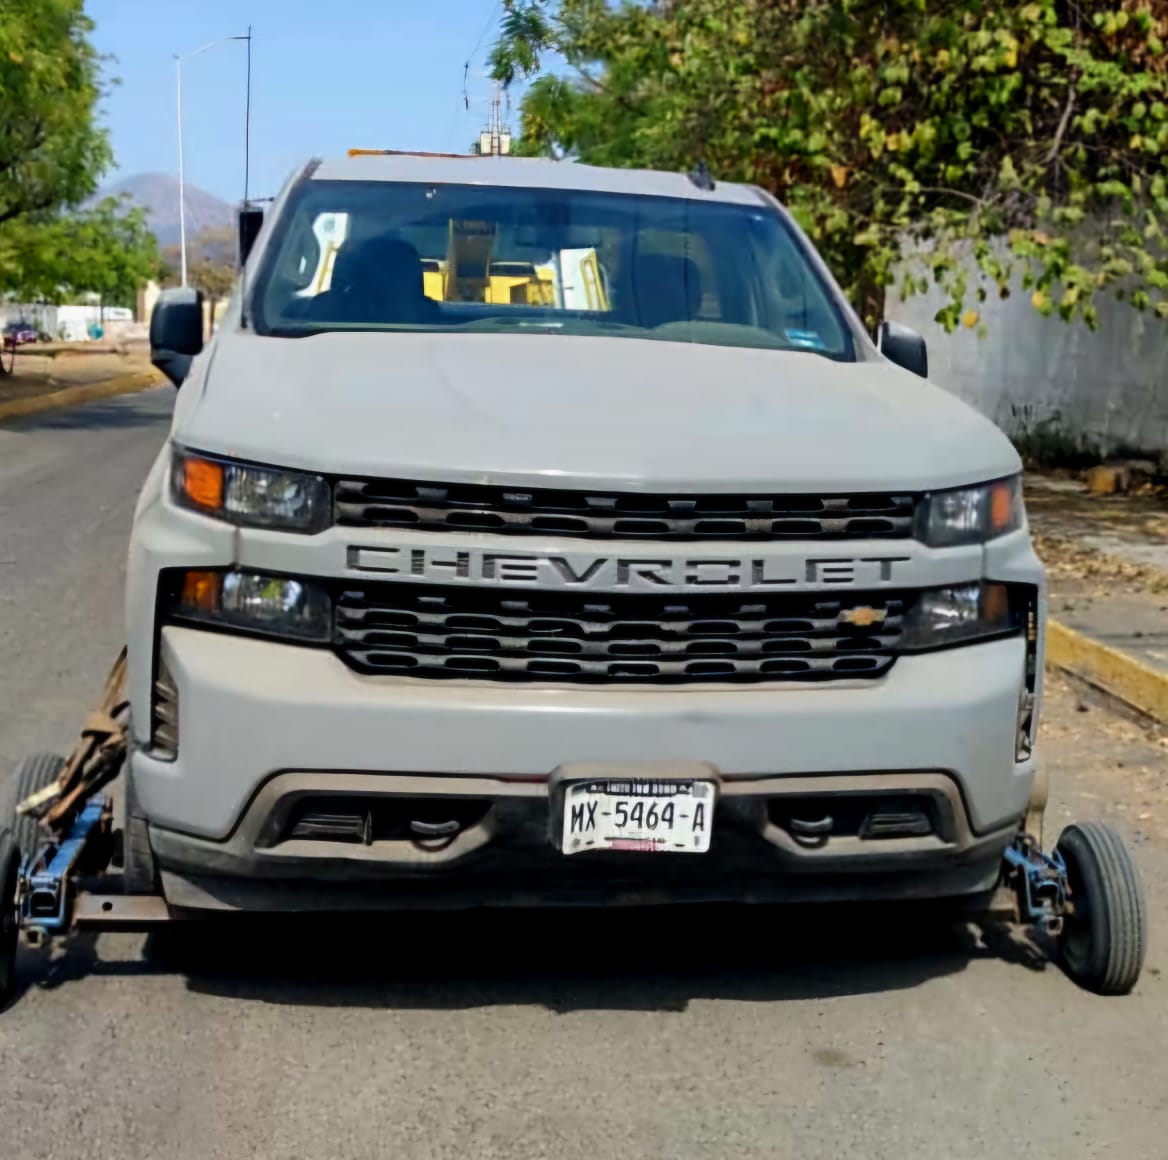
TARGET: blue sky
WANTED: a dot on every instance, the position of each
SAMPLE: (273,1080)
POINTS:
(326,75)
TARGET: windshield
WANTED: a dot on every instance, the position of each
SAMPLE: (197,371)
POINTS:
(462,258)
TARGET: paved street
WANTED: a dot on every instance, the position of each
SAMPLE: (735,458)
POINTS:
(757,1034)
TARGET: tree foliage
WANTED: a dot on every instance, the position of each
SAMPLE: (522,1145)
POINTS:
(54,243)
(52,152)
(212,266)
(103,249)
(1028,137)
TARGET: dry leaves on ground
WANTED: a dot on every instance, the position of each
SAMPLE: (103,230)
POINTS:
(1067,559)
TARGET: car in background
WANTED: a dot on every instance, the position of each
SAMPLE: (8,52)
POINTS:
(19,333)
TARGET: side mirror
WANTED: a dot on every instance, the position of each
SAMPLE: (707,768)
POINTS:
(903,346)
(251,218)
(176,332)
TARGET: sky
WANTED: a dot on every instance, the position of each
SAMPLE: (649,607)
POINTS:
(327,75)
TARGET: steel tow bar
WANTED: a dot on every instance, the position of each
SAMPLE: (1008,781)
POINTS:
(45,890)
(1039,881)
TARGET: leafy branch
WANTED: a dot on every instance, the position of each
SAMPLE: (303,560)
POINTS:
(1027,135)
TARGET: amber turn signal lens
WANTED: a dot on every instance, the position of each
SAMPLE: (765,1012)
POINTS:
(200,591)
(995,604)
(202,482)
(1002,506)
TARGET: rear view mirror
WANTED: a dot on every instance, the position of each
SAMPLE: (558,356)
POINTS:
(903,346)
(176,332)
(251,218)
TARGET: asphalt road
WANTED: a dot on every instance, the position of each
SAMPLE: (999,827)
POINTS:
(694,1033)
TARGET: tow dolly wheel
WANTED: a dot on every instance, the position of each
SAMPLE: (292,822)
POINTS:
(1105,930)
(30,776)
(139,872)
(9,925)
(19,838)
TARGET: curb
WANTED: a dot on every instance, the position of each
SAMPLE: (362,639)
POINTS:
(1133,682)
(70,396)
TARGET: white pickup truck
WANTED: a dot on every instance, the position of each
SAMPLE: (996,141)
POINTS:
(533,532)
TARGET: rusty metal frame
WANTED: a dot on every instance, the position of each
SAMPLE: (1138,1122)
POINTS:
(71,811)
(95,761)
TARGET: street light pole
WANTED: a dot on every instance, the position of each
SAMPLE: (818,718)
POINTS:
(247,124)
(182,185)
(182,189)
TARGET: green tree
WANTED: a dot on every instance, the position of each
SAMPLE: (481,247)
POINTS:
(1027,135)
(52,152)
(213,268)
(52,155)
(103,249)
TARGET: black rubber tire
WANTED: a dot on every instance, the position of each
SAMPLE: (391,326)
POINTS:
(9,929)
(139,870)
(1102,944)
(32,774)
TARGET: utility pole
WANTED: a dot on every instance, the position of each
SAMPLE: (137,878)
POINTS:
(182,189)
(247,124)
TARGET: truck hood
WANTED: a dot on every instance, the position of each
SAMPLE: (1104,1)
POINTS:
(552,410)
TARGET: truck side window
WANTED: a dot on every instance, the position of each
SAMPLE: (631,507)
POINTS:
(789,300)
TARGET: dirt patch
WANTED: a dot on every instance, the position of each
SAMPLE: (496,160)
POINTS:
(43,370)
(1107,764)
(1078,569)
(1066,507)
(1095,545)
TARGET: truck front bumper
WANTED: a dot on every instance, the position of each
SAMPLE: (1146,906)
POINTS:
(264,725)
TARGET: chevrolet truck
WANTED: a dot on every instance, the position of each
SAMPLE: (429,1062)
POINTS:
(530,532)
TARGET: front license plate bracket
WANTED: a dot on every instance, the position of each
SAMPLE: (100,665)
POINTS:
(652,810)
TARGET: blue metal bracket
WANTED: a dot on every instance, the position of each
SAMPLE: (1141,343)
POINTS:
(1040,881)
(44,879)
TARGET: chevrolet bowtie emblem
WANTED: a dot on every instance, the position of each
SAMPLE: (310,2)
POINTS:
(863,617)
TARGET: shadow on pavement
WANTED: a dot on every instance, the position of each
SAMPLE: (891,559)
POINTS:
(636,960)
(143,409)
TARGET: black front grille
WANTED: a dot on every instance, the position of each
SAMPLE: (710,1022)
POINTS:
(421,631)
(544,511)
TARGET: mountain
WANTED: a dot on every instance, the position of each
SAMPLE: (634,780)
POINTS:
(157,194)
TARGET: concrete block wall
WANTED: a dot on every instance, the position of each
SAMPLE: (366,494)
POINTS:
(1103,391)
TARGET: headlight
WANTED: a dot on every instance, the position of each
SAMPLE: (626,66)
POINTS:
(946,616)
(274,605)
(257,497)
(971,515)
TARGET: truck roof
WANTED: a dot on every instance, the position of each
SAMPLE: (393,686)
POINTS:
(526,173)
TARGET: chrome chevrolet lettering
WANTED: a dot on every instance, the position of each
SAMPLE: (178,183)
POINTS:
(649,570)
(831,570)
(422,563)
(570,575)
(385,560)
(608,572)
(768,574)
(719,573)
(511,569)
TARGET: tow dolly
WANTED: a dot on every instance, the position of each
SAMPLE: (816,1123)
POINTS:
(65,866)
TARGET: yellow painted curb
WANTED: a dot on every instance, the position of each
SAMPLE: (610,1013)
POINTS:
(70,396)
(1115,672)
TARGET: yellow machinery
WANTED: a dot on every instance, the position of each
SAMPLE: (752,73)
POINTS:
(468,272)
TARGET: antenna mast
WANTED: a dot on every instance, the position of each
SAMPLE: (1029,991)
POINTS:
(495,139)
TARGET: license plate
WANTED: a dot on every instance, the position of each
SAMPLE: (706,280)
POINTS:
(639,815)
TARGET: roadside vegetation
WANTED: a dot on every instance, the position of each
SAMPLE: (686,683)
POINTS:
(56,243)
(1018,144)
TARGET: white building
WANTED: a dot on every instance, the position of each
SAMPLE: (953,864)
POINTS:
(67,323)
